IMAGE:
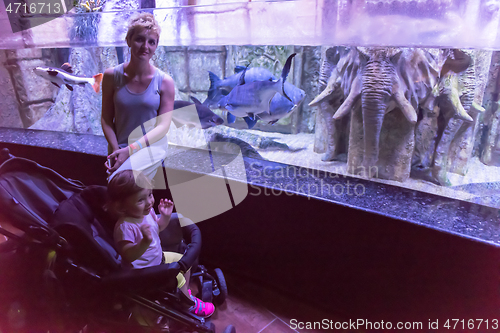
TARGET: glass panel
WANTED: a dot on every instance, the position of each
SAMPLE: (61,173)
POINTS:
(436,23)
(434,125)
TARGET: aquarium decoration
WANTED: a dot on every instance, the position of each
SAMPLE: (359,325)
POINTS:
(386,90)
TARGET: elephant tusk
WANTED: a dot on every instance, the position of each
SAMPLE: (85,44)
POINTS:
(349,101)
(407,109)
(458,108)
(478,107)
(331,86)
(324,94)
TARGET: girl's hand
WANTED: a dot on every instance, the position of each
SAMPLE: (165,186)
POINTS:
(146,233)
(117,158)
(166,207)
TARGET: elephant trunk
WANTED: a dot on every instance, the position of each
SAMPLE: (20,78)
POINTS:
(375,95)
(374,108)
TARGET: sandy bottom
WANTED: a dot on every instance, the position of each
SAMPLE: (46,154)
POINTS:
(485,179)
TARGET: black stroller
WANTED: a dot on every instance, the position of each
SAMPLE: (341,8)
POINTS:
(61,273)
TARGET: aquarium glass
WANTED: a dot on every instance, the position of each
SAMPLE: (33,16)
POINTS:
(438,117)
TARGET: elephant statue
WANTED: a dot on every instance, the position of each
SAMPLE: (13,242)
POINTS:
(454,113)
(387,90)
(337,131)
(376,81)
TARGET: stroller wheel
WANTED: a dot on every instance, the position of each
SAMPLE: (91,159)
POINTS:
(220,294)
(230,329)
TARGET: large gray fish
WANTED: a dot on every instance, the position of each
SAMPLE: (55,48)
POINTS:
(203,117)
(64,76)
(253,98)
(222,87)
(280,106)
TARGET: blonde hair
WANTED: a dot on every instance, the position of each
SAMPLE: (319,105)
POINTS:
(143,20)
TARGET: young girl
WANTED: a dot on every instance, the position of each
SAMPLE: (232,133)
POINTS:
(136,233)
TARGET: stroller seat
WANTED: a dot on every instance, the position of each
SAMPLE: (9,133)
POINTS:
(92,287)
(82,221)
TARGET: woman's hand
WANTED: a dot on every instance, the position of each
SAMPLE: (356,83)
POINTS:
(117,158)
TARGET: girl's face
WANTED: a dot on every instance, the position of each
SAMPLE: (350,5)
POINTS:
(143,44)
(138,205)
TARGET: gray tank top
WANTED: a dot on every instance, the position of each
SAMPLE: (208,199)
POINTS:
(132,109)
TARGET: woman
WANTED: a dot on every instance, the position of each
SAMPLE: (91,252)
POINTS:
(136,102)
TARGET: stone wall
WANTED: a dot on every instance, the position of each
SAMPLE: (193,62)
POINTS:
(9,116)
(25,96)
(79,111)
(189,67)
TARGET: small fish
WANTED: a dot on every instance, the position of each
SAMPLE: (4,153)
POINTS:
(203,117)
(222,87)
(63,76)
(253,98)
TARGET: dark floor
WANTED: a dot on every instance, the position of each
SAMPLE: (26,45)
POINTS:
(254,309)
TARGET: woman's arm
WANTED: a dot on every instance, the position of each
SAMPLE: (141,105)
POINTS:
(107,121)
(108,109)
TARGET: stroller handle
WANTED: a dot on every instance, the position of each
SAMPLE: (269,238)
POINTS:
(5,155)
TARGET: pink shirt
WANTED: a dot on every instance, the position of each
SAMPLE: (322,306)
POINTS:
(129,229)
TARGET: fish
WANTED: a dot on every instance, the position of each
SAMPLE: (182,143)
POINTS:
(255,140)
(222,87)
(234,146)
(202,118)
(64,76)
(280,106)
(253,98)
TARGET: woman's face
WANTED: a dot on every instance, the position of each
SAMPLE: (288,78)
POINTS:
(143,44)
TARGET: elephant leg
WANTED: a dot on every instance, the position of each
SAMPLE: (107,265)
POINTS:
(335,131)
(337,140)
(427,136)
(327,112)
(439,168)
